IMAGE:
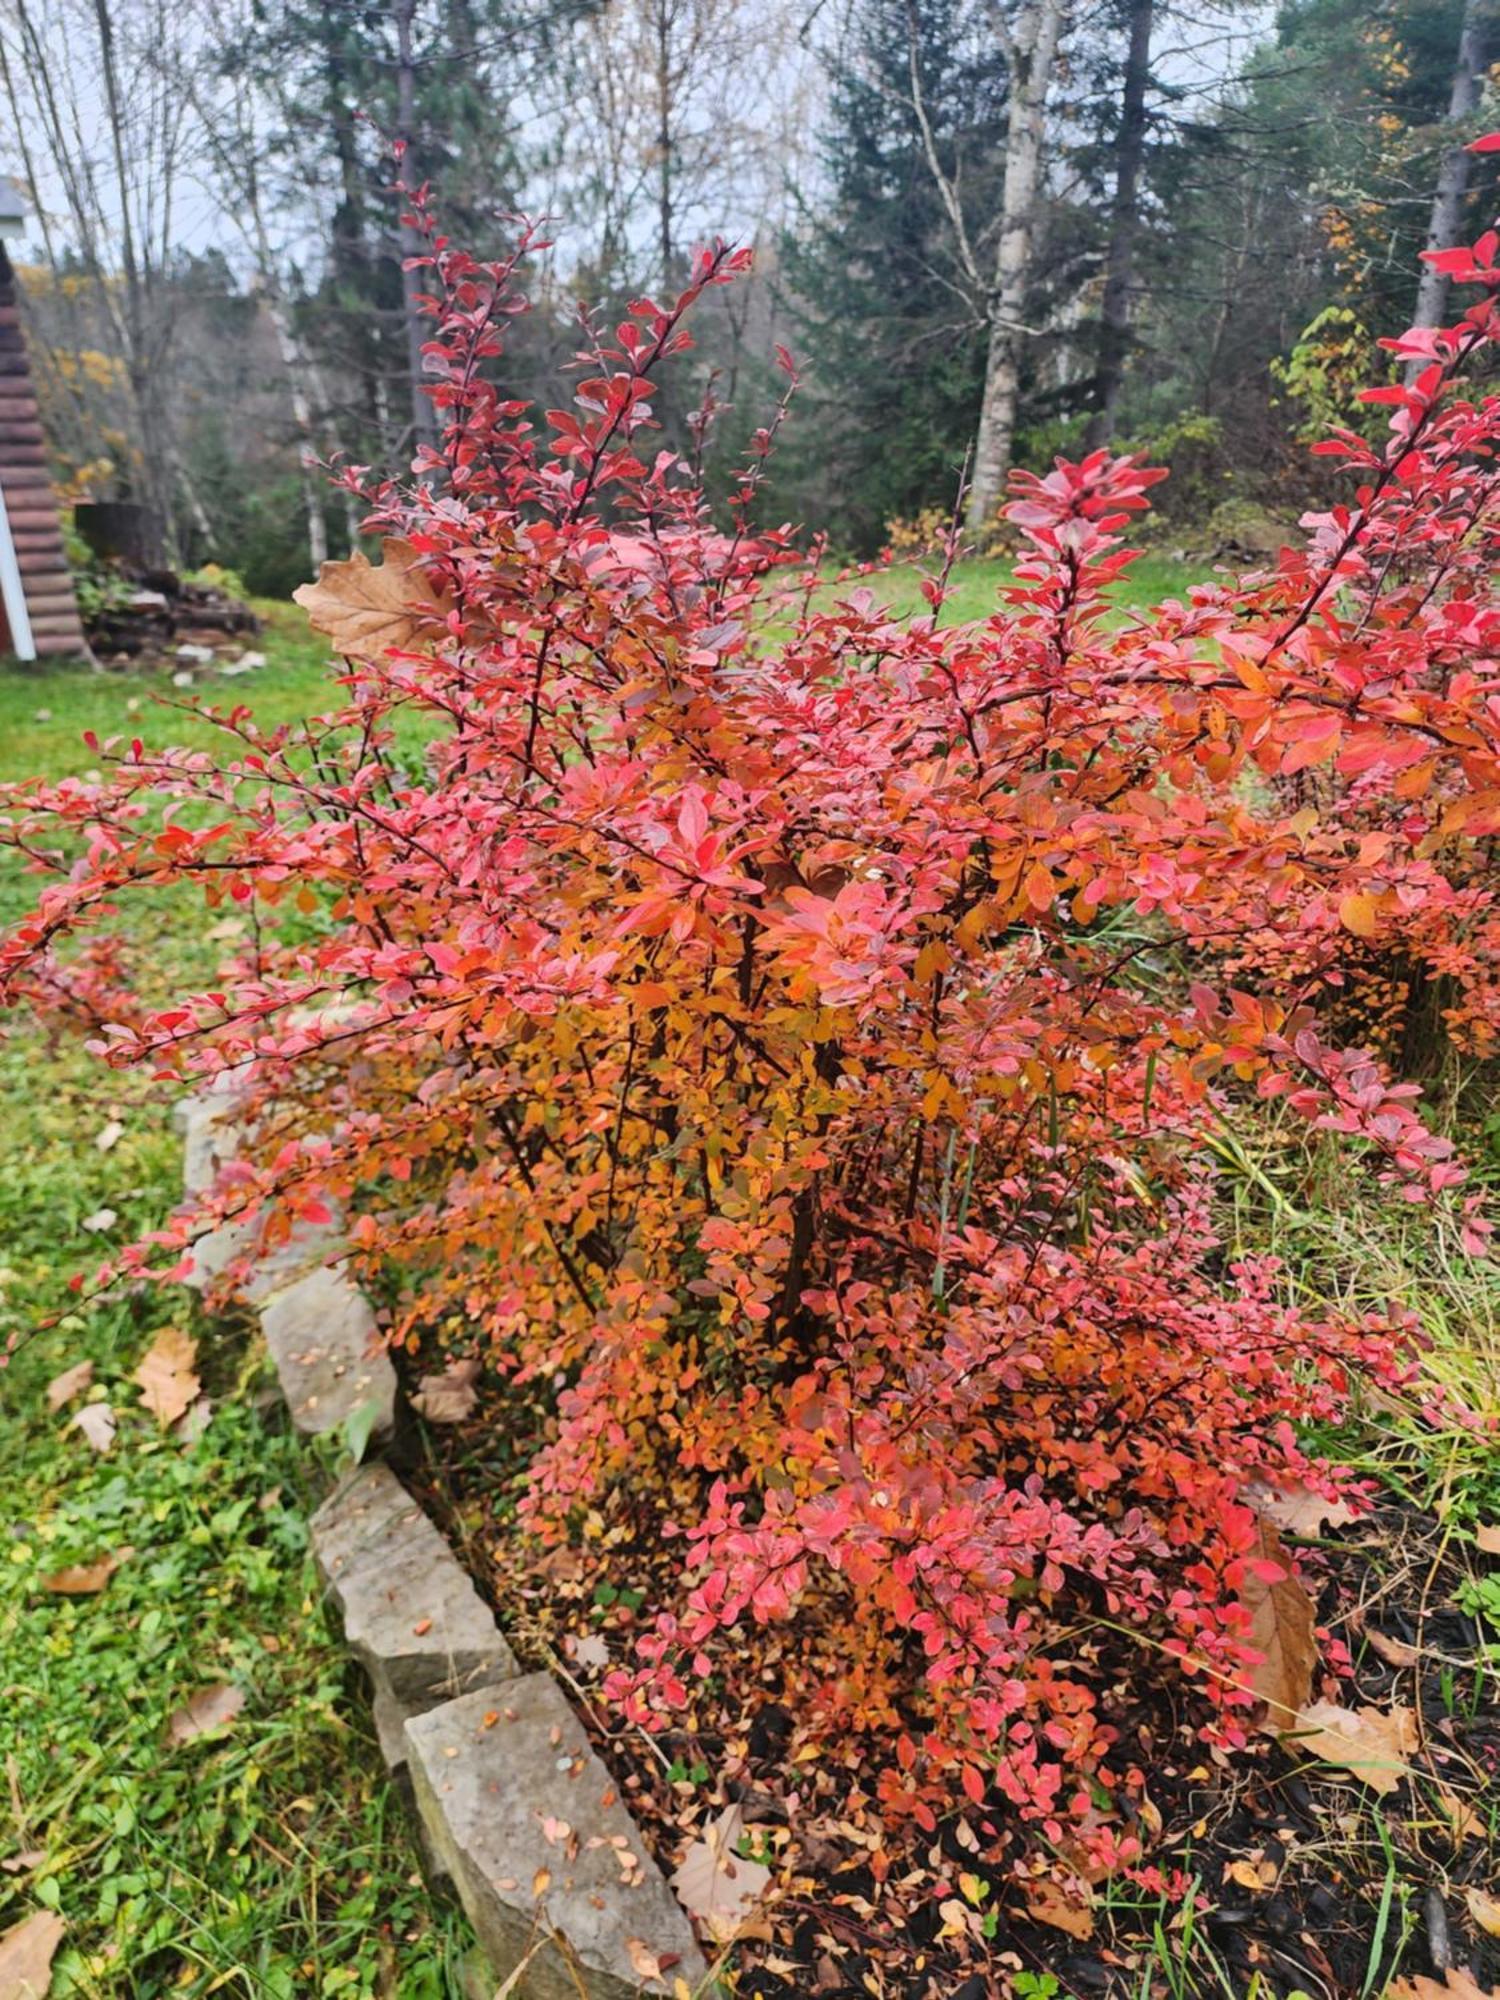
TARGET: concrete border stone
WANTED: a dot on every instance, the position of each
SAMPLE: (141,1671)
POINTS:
(514,1805)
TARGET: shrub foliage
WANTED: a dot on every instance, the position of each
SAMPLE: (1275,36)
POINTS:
(782,1037)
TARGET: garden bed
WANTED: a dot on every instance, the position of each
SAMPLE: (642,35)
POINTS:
(1279,1873)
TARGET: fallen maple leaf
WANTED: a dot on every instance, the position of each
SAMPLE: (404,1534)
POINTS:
(72,1382)
(365,611)
(591,1651)
(169,1385)
(1484,1910)
(1281,1630)
(26,1953)
(209,1708)
(1297,1510)
(450,1397)
(714,1884)
(1047,1902)
(1371,1743)
(84,1580)
(97,1422)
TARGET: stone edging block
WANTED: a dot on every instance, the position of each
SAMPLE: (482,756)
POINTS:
(515,1806)
(411,1614)
(546,1860)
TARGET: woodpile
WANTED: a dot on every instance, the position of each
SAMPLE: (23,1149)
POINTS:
(164,618)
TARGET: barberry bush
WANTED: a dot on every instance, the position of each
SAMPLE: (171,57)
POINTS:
(785,1040)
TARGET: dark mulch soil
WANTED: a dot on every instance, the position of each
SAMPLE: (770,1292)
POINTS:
(1303,1881)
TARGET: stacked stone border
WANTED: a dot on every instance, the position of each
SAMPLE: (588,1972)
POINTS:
(515,1807)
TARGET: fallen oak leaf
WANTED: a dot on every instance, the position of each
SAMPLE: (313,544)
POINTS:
(1457,1983)
(168,1382)
(1462,1821)
(1047,1902)
(1297,1510)
(714,1884)
(72,1382)
(1281,1630)
(26,1953)
(1372,1744)
(450,1397)
(365,611)
(98,1424)
(210,1708)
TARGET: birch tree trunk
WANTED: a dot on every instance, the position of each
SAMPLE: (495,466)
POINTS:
(1453,174)
(1031,49)
(424,430)
(1119,269)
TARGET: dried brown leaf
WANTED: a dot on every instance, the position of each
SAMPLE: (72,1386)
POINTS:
(643,1959)
(1281,1630)
(450,1397)
(97,1422)
(72,1382)
(26,1953)
(1457,1983)
(714,1884)
(85,1579)
(1371,1743)
(209,1708)
(1487,1537)
(23,1862)
(1395,1652)
(365,611)
(1047,1902)
(168,1379)
(1485,1910)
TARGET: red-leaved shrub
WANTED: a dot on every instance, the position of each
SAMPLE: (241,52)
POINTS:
(781,1035)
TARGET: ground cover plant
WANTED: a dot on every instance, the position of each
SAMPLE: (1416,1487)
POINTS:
(793,1046)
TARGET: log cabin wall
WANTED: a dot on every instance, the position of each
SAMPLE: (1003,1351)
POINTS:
(30,506)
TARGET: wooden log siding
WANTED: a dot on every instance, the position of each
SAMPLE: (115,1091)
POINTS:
(30,507)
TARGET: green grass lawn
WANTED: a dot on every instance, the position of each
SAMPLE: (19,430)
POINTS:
(271,1860)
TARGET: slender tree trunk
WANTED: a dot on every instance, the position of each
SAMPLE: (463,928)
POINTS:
(1032,53)
(1453,174)
(156,452)
(424,431)
(1124,227)
(664,140)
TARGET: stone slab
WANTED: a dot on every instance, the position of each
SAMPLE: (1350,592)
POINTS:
(325,1344)
(488,1770)
(308,1245)
(411,1613)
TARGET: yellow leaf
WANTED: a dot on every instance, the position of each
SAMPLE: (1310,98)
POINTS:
(1359,913)
(365,611)
(1484,1910)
